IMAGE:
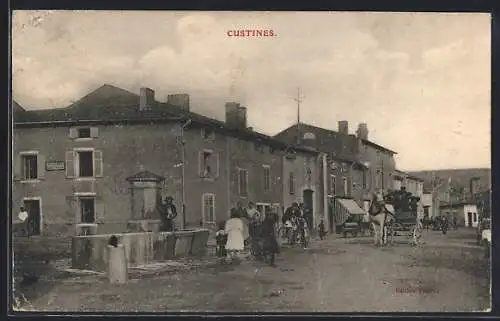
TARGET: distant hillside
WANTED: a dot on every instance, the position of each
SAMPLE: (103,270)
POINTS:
(459,177)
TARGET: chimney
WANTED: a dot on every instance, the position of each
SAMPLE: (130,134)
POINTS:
(147,98)
(236,115)
(362,131)
(344,127)
(180,100)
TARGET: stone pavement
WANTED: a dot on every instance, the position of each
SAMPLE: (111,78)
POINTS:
(447,274)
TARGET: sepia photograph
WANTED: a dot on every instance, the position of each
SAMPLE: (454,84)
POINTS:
(250,162)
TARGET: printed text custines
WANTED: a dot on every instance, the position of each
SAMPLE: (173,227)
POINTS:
(251,33)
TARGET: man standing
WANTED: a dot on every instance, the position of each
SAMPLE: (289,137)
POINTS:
(254,224)
(23,217)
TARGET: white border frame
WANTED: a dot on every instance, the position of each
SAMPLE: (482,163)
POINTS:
(39,199)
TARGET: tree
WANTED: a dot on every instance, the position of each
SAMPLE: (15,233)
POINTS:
(483,202)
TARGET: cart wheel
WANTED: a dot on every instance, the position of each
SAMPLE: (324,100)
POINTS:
(416,235)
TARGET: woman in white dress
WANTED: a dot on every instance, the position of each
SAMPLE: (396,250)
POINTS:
(235,239)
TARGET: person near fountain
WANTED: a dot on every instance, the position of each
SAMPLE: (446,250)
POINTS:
(168,213)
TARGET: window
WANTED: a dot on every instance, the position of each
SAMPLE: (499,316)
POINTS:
(84,132)
(267,177)
(208,208)
(258,147)
(86,164)
(208,164)
(87,210)
(243,182)
(364,178)
(264,209)
(333,185)
(207,134)
(346,188)
(30,167)
(291,183)
(475,217)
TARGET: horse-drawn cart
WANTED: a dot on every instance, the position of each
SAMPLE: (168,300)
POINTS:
(405,224)
(398,215)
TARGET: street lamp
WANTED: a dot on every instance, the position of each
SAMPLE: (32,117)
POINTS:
(183,173)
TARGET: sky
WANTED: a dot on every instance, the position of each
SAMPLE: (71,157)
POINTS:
(421,81)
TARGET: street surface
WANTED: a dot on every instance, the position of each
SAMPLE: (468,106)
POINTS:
(448,273)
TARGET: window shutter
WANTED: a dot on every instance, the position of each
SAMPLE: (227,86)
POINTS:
(72,209)
(98,170)
(70,164)
(41,166)
(200,164)
(17,168)
(73,133)
(94,132)
(215,164)
(99,210)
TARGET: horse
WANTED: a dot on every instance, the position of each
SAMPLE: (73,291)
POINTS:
(379,217)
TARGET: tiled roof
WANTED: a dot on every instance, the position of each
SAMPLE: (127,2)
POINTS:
(400,174)
(109,103)
(321,134)
(145,176)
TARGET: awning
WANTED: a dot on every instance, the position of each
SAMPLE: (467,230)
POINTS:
(344,208)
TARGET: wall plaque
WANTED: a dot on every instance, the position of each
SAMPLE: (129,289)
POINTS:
(55,166)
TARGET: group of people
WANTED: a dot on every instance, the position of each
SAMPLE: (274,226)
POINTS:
(248,227)
(297,222)
(440,223)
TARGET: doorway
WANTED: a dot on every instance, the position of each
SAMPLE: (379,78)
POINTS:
(32,206)
(469,219)
(330,215)
(308,199)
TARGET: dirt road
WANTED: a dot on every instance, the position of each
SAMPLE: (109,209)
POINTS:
(446,274)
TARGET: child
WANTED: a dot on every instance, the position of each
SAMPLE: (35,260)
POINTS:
(221,240)
(321,229)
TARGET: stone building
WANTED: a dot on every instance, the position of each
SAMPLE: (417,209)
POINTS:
(106,159)
(302,181)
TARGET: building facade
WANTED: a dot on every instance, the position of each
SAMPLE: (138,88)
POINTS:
(302,182)
(107,159)
(466,214)
(353,167)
